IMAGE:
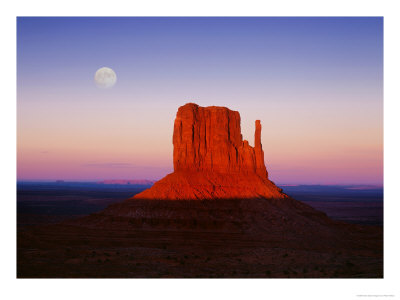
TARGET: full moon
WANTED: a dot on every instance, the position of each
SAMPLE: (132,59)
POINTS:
(105,78)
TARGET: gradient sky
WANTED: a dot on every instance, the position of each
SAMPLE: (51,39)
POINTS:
(316,84)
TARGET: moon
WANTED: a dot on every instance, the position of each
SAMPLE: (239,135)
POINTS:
(105,78)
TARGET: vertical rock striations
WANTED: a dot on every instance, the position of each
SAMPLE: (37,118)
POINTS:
(210,139)
(211,159)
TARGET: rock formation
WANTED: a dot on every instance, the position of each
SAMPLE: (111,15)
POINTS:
(251,220)
(211,159)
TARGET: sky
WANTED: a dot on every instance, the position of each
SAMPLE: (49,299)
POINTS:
(316,84)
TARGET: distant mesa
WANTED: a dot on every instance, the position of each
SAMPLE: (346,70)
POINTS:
(127,181)
(211,159)
(364,187)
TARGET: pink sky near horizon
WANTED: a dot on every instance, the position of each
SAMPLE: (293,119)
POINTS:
(307,144)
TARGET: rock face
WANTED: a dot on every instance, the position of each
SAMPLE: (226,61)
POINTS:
(211,159)
(209,139)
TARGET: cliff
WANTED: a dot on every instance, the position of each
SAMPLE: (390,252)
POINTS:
(210,139)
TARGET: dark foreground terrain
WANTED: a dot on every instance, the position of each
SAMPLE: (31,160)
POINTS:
(234,238)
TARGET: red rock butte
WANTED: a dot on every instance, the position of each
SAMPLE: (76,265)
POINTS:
(212,161)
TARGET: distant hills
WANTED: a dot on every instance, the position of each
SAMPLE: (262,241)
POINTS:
(127,181)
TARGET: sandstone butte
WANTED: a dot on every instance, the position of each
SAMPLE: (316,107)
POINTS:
(212,161)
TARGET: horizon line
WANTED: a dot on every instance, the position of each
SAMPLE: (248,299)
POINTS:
(287,184)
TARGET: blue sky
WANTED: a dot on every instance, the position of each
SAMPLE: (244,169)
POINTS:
(316,84)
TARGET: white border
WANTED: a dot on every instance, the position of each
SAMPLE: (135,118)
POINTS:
(198,289)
